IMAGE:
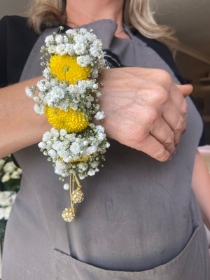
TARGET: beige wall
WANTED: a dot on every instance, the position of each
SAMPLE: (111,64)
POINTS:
(194,70)
(13,7)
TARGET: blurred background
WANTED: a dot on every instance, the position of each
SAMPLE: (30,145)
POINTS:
(191,22)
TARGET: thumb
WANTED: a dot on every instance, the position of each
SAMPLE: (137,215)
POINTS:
(185,89)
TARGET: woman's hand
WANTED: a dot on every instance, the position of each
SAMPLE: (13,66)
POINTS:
(144,109)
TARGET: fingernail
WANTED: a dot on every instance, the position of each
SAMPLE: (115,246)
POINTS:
(184,131)
(174,152)
(169,158)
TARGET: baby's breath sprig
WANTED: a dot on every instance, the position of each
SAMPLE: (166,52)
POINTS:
(68,97)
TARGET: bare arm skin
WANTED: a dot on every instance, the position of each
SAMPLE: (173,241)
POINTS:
(144,110)
(20,125)
(201,187)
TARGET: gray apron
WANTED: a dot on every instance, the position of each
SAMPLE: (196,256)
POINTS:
(139,219)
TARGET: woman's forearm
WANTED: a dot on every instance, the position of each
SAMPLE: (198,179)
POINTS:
(20,125)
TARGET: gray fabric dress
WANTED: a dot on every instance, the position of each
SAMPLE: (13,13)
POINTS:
(139,219)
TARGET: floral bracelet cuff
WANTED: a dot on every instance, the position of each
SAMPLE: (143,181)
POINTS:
(68,96)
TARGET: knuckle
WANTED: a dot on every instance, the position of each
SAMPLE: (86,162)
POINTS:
(161,95)
(152,116)
(184,108)
(180,125)
(170,139)
(165,76)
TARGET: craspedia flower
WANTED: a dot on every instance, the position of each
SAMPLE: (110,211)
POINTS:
(73,121)
(66,68)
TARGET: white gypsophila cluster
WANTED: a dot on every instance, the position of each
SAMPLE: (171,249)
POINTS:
(61,95)
(81,43)
(79,153)
(11,171)
(6,200)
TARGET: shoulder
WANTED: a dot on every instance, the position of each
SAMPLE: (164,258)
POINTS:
(16,42)
(17,26)
(13,20)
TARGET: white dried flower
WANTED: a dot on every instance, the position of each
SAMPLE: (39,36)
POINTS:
(49,40)
(2,162)
(99,115)
(66,187)
(83,166)
(9,167)
(7,211)
(6,177)
(61,49)
(91,150)
(84,60)
(100,128)
(94,164)
(42,145)
(7,198)
(52,153)
(91,172)
(52,49)
(63,132)
(29,92)
(39,109)
(75,148)
(16,174)
(59,39)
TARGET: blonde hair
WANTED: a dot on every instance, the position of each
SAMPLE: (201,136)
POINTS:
(137,15)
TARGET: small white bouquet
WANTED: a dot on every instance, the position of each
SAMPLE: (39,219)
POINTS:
(7,198)
(10,184)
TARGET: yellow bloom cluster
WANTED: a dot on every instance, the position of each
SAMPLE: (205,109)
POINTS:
(72,121)
(66,68)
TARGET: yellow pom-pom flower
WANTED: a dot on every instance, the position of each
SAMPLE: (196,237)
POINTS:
(73,121)
(80,159)
(66,68)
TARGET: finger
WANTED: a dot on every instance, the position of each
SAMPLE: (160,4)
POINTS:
(186,90)
(153,148)
(178,100)
(175,120)
(162,132)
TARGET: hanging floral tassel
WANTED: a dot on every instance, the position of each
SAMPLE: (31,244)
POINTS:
(76,196)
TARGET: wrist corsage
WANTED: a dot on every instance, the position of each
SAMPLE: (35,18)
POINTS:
(68,96)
